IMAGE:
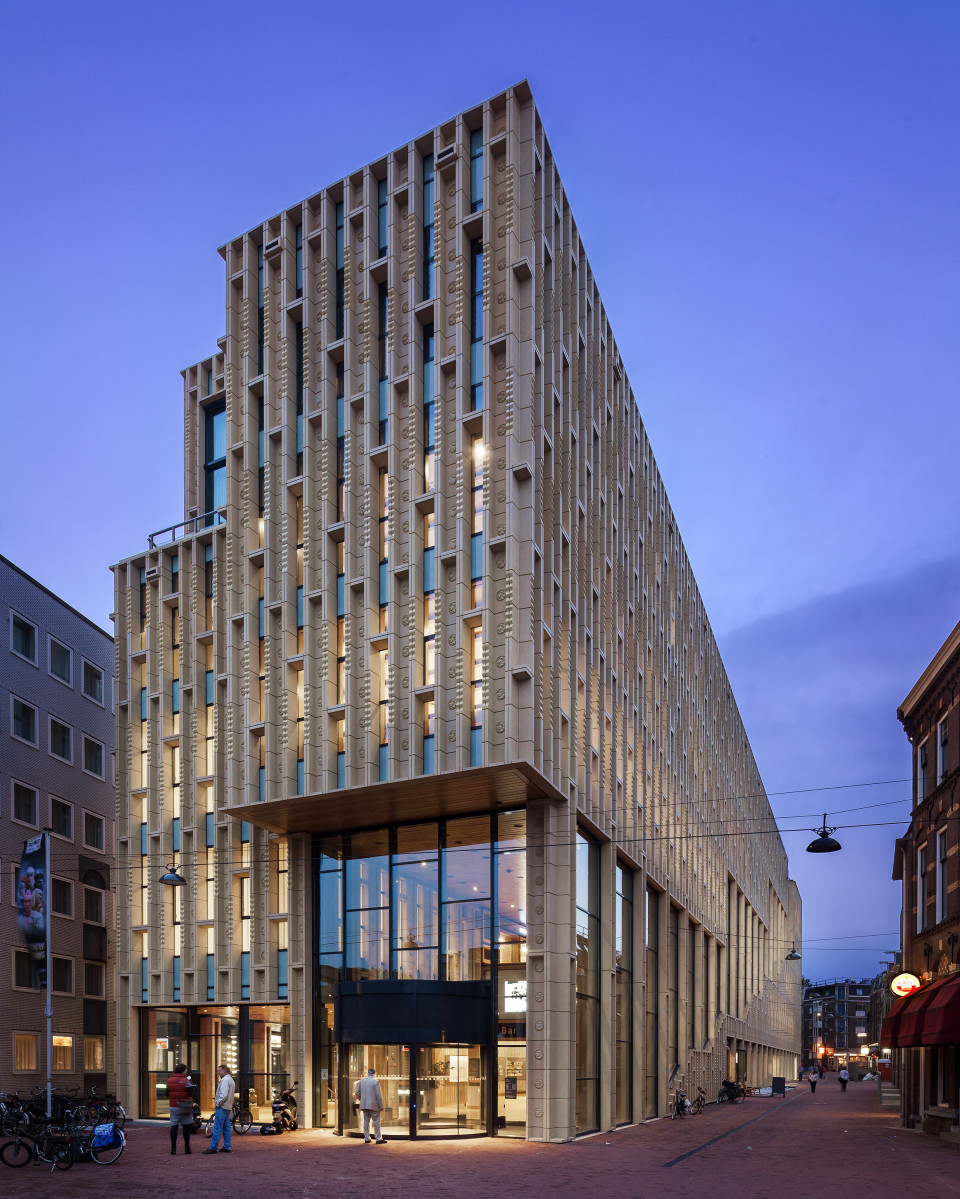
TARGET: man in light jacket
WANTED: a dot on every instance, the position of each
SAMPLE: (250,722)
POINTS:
(368,1094)
(224,1110)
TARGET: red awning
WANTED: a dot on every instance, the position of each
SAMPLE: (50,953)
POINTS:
(930,1016)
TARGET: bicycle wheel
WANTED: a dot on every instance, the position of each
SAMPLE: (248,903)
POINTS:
(244,1121)
(106,1155)
(116,1113)
(16,1153)
(722,1097)
(15,1122)
(63,1156)
(738,1097)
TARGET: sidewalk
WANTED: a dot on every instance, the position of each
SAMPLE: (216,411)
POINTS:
(823,1143)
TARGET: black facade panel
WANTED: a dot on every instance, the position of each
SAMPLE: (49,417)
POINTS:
(94,1016)
(94,943)
(391,1011)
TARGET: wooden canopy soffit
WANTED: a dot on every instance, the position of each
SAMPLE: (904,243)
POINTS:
(428,797)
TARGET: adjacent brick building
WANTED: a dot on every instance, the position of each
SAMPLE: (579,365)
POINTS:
(422,693)
(836,1023)
(56,771)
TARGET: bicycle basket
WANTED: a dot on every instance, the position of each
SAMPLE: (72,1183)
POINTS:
(103,1136)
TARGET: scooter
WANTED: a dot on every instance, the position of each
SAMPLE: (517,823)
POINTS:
(284,1113)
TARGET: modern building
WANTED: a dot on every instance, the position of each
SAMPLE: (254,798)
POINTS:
(925,1026)
(56,773)
(836,1017)
(421,695)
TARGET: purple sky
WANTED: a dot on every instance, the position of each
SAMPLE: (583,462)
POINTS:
(768,194)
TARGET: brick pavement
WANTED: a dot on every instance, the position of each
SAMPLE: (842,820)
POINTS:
(825,1144)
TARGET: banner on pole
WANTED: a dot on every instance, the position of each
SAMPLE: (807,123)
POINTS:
(32,905)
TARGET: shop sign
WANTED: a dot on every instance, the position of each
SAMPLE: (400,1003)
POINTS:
(904,984)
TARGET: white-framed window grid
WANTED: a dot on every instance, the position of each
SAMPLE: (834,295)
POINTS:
(61,818)
(24,636)
(59,661)
(60,744)
(63,976)
(94,757)
(24,804)
(94,831)
(22,969)
(26,1052)
(61,897)
(93,681)
(94,905)
(24,722)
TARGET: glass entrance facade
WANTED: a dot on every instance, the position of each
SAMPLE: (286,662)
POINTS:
(421,930)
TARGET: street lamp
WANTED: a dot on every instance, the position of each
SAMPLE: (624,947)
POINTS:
(170,877)
(824,842)
(793,956)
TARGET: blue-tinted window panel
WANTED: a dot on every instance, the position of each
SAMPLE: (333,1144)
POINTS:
(143,703)
(429,755)
(341,418)
(341,596)
(211,977)
(144,981)
(245,975)
(143,839)
(476,555)
(176,834)
(429,570)
(476,747)
(175,695)
(341,769)
(176,977)
(299,607)
(244,831)
(208,687)
(262,785)
(331,912)
(384,762)
(299,776)
(383,582)
(208,829)
(216,433)
(261,622)
(282,974)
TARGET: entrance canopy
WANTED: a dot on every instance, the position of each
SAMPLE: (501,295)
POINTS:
(427,797)
(930,1016)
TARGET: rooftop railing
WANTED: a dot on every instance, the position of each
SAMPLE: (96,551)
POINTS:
(187,528)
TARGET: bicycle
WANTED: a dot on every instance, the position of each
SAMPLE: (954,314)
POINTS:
(697,1106)
(680,1106)
(241,1120)
(103,1143)
(731,1092)
(103,1110)
(52,1146)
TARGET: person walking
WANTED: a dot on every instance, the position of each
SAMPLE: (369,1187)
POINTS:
(368,1094)
(224,1110)
(181,1107)
(844,1077)
(813,1077)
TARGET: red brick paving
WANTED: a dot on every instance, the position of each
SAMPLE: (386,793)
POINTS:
(827,1144)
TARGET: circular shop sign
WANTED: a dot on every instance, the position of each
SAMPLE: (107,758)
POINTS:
(903,984)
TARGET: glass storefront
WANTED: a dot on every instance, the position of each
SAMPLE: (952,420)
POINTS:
(253,1041)
(422,928)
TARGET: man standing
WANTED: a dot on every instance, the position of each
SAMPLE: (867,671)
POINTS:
(368,1094)
(223,1112)
(844,1077)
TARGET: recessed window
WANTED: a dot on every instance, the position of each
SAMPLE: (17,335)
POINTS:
(63,976)
(61,740)
(61,896)
(94,980)
(92,830)
(61,662)
(92,905)
(24,970)
(93,757)
(95,1054)
(24,804)
(23,638)
(26,1052)
(93,682)
(24,721)
(62,1053)
(61,818)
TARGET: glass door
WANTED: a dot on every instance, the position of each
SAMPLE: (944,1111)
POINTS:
(451,1090)
(512,1089)
(392,1066)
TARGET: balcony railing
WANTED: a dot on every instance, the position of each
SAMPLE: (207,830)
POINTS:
(187,528)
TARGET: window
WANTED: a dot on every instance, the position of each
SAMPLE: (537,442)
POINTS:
(23,638)
(61,738)
(24,804)
(61,818)
(92,830)
(61,662)
(429,737)
(299,397)
(63,975)
(94,1054)
(61,896)
(943,755)
(24,970)
(260,317)
(24,721)
(476,170)
(26,1052)
(93,905)
(94,980)
(923,769)
(339,298)
(477,454)
(381,217)
(428,229)
(429,410)
(62,1053)
(298,239)
(941,875)
(93,757)
(921,888)
(476,325)
(383,323)
(93,682)
(215,457)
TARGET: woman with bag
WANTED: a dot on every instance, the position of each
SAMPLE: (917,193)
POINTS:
(181,1107)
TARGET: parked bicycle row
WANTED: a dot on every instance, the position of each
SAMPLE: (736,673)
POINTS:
(730,1092)
(21,1113)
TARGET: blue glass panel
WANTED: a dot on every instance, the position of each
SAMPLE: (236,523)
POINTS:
(244,831)
(208,829)
(331,912)
(429,570)
(144,980)
(245,975)
(476,747)
(143,703)
(176,834)
(143,839)
(341,418)
(476,555)
(176,976)
(384,762)
(216,433)
(341,769)
(211,977)
(383,581)
(300,776)
(282,975)
(300,433)
(208,685)
(341,597)
(299,607)
(262,785)
(261,623)
(429,759)
(175,695)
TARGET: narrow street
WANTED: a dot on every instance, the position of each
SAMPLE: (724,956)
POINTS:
(822,1143)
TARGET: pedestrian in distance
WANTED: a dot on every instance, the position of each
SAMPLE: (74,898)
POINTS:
(181,1107)
(813,1077)
(368,1094)
(844,1077)
(223,1111)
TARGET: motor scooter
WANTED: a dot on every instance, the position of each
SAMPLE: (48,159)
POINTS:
(284,1109)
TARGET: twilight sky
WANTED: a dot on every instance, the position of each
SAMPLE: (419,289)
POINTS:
(769,195)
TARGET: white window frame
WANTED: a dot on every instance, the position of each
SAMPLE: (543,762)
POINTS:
(73,824)
(36,1040)
(103,822)
(50,719)
(50,671)
(84,663)
(73,898)
(63,957)
(941,874)
(942,758)
(102,993)
(14,783)
(103,906)
(36,637)
(103,758)
(36,721)
(14,950)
